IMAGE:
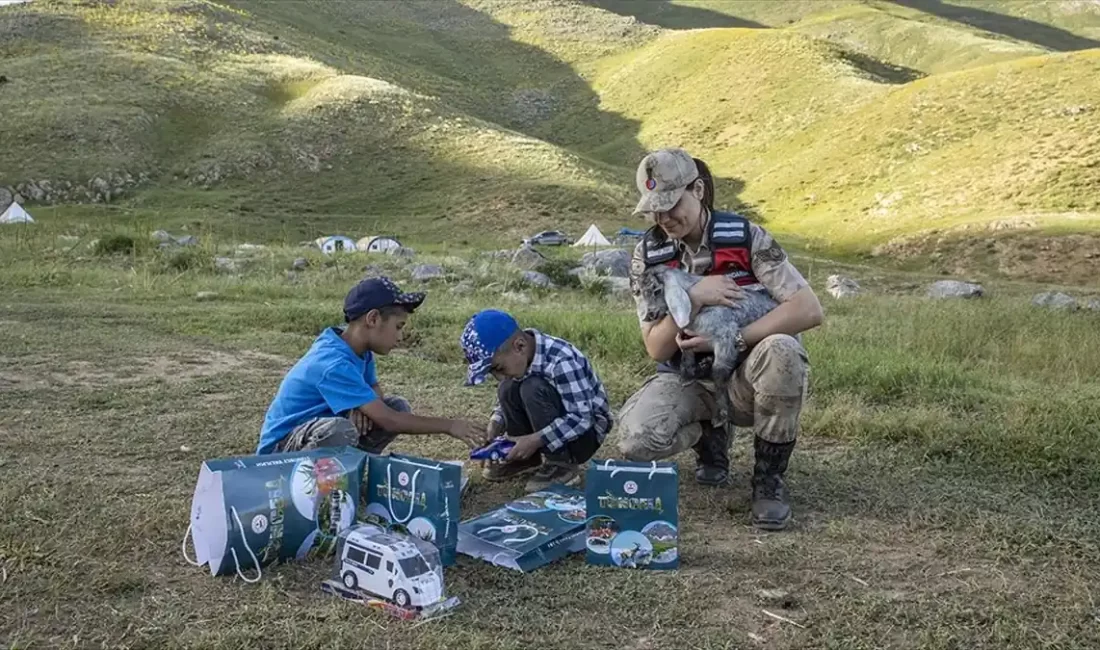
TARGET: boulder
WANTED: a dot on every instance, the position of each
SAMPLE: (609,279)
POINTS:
(839,286)
(425,272)
(1092,305)
(225,264)
(1054,300)
(462,288)
(955,289)
(206,295)
(516,296)
(187,240)
(300,264)
(537,279)
(619,286)
(528,258)
(614,262)
(162,236)
(401,251)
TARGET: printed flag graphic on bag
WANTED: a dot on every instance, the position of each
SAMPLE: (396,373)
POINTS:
(418,496)
(251,511)
(633,515)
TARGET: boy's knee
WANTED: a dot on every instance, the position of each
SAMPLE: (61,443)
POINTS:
(323,432)
(537,389)
(397,403)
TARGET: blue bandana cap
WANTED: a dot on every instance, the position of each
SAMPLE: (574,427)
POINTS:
(485,332)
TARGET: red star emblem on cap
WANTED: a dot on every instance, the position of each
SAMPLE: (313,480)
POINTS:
(650,184)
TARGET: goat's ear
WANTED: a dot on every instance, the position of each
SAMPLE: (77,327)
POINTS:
(678,301)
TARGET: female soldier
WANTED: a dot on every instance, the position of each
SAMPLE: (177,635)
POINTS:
(667,416)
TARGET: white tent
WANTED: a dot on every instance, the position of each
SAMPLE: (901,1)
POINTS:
(592,237)
(15,214)
(330,245)
(374,244)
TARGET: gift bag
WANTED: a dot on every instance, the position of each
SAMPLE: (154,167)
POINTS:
(250,511)
(633,514)
(529,532)
(417,496)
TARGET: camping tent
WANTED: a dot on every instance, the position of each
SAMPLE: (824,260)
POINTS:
(592,237)
(335,243)
(381,244)
(15,214)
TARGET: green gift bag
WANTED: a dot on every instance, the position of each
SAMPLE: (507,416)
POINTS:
(418,496)
(251,511)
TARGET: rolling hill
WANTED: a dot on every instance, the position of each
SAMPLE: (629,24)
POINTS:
(844,124)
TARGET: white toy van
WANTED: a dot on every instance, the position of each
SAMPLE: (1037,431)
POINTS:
(390,567)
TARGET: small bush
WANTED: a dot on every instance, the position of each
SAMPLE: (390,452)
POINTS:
(558,272)
(115,245)
(185,259)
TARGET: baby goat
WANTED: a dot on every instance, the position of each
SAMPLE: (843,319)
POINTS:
(664,290)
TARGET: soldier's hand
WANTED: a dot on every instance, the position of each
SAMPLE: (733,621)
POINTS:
(716,290)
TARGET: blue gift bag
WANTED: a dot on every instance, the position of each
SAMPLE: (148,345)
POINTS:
(633,515)
(529,532)
(418,496)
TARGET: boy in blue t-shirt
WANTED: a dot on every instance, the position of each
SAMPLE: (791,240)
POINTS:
(331,396)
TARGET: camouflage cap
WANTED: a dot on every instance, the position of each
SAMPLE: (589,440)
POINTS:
(662,177)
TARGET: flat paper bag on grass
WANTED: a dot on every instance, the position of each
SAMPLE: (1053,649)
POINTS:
(527,533)
(251,511)
(418,496)
(633,515)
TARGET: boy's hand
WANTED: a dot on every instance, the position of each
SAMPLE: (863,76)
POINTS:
(525,447)
(472,434)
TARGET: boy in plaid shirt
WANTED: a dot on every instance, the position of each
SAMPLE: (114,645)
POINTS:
(550,400)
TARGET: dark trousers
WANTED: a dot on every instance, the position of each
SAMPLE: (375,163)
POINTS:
(531,405)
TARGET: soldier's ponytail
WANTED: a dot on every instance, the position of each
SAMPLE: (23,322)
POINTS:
(708,184)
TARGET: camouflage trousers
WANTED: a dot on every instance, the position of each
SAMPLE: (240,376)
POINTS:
(340,431)
(665,416)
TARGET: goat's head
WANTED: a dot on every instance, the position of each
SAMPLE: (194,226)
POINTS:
(663,291)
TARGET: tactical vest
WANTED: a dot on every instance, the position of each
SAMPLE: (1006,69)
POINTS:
(730,241)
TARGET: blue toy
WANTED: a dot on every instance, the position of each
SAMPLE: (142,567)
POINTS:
(495,450)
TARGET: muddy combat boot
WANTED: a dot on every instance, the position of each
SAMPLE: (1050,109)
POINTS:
(770,510)
(712,457)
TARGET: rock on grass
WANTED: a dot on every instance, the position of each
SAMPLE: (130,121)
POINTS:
(955,289)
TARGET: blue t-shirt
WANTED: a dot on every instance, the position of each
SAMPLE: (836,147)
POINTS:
(329,380)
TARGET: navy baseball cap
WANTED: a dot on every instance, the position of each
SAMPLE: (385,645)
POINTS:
(377,293)
(485,332)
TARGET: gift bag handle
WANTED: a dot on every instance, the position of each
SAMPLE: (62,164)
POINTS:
(259,572)
(615,471)
(183,547)
(389,495)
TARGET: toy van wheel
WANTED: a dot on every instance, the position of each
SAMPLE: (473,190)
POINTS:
(401,598)
(350,581)
(494,456)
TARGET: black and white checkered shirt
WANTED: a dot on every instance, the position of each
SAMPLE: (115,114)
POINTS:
(583,397)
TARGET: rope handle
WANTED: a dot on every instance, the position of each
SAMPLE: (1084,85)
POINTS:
(233,551)
(389,495)
(652,470)
(183,547)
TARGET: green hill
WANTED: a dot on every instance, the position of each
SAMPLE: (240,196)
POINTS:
(846,123)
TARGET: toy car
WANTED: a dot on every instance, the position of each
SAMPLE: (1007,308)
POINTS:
(495,450)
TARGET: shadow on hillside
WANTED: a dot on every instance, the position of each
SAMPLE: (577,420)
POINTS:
(663,13)
(465,57)
(1021,29)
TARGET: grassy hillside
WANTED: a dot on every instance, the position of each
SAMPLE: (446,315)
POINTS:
(843,123)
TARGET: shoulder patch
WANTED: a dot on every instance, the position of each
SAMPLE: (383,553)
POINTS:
(656,250)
